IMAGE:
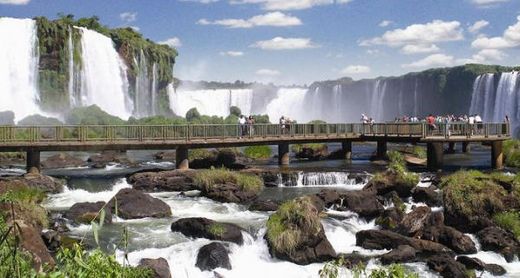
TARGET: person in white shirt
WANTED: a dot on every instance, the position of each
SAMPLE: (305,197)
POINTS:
(242,125)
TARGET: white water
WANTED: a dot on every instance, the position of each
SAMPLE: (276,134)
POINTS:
(326,179)
(18,67)
(376,100)
(289,102)
(103,76)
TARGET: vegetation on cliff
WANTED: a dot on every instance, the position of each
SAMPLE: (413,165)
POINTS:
(258,152)
(512,153)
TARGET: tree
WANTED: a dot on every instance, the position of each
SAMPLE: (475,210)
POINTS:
(233,110)
(192,114)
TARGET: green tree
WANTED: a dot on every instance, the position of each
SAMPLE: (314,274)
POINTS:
(233,110)
(192,114)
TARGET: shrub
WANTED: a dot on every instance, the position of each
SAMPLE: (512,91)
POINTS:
(286,225)
(26,204)
(336,269)
(200,154)
(233,110)
(398,166)
(206,179)
(509,221)
(511,150)
(258,152)
(192,114)
(419,152)
(217,229)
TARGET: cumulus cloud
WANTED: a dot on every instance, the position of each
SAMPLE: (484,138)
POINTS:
(283,5)
(232,53)
(277,19)
(267,72)
(485,56)
(128,16)
(487,3)
(419,34)
(477,26)
(385,23)
(509,39)
(172,42)
(280,43)
(355,69)
(419,49)
(14,2)
(434,60)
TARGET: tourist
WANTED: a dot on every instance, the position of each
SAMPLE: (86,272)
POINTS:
(282,124)
(431,122)
(242,125)
(506,119)
(447,131)
(250,123)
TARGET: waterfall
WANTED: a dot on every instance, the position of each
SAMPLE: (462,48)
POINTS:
(103,76)
(482,98)
(142,87)
(154,89)
(323,179)
(289,102)
(376,102)
(506,102)
(337,104)
(72,95)
(19,67)
(416,98)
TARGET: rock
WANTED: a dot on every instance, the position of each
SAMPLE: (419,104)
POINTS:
(84,213)
(363,203)
(475,263)
(213,255)
(447,266)
(390,218)
(33,180)
(312,153)
(206,228)
(52,240)
(168,156)
(450,237)
(270,179)
(108,157)
(427,195)
(159,267)
(403,254)
(498,240)
(223,158)
(414,221)
(175,180)
(354,259)
(62,160)
(266,205)
(388,183)
(329,197)
(228,193)
(133,204)
(380,239)
(32,242)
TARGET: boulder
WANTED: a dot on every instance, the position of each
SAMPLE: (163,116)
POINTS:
(447,266)
(84,213)
(389,182)
(62,160)
(329,197)
(475,263)
(32,242)
(213,255)
(498,240)
(353,259)
(198,227)
(427,195)
(450,237)
(174,180)
(270,179)
(228,193)
(414,221)
(33,180)
(381,239)
(159,267)
(265,205)
(312,153)
(403,254)
(102,159)
(168,156)
(133,204)
(52,240)
(365,204)
(390,218)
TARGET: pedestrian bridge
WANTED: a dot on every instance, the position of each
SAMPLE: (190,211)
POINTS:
(36,139)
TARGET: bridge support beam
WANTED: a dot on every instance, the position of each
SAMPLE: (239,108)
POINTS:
(346,148)
(181,158)
(381,149)
(283,154)
(497,155)
(435,152)
(465,147)
(33,160)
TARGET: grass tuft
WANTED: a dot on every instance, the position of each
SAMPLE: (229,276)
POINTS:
(509,221)
(258,152)
(206,179)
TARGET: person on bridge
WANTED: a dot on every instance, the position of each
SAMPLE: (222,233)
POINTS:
(242,125)
(431,122)
(282,124)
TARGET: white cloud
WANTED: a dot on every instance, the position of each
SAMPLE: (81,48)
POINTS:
(510,39)
(373,51)
(15,2)
(280,43)
(128,16)
(477,26)
(283,5)
(434,60)
(485,56)
(355,69)
(267,72)
(277,19)
(385,23)
(172,42)
(232,53)
(200,1)
(487,3)
(135,28)
(419,49)
(422,34)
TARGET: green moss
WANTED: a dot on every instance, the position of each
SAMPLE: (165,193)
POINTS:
(214,177)
(509,221)
(217,229)
(393,270)
(258,152)
(200,154)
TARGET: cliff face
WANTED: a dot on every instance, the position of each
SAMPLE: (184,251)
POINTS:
(148,65)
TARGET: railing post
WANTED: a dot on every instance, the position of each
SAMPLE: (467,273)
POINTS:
(486,130)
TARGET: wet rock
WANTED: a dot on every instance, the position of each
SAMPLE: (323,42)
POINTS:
(450,237)
(388,183)
(354,259)
(199,227)
(33,180)
(363,203)
(168,156)
(223,158)
(477,264)
(447,266)
(133,204)
(84,213)
(270,179)
(52,240)
(62,160)
(329,197)
(414,221)
(159,267)
(498,240)
(390,219)
(32,242)
(427,195)
(312,153)
(267,205)
(175,180)
(228,193)
(213,255)
(107,157)
(403,253)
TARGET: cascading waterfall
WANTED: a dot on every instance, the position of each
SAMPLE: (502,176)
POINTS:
(506,102)
(103,76)
(416,98)
(154,89)
(145,88)
(72,95)
(19,67)
(376,102)
(289,102)
(483,93)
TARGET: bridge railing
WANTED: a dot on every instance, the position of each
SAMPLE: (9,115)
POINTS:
(83,133)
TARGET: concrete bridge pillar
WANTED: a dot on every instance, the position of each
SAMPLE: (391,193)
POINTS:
(181,158)
(283,154)
(435,152)
(33,160)
(381,149)
(346,147)
(497,155)
(465,147)
(451,147)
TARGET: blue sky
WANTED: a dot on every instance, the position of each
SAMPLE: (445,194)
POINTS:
(301,41)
